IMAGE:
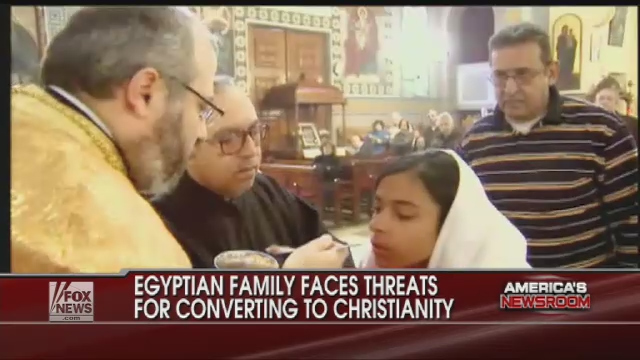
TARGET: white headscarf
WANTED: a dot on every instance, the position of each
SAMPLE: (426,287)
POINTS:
(475,235)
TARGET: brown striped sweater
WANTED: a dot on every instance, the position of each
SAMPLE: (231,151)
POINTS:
(570,185)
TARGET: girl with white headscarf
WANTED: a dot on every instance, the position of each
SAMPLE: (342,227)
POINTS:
(431,211)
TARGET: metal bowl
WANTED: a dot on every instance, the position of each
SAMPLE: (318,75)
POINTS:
(245,259)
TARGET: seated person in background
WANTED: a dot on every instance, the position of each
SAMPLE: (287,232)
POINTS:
(607,95)
(447,135)
(431,211)
(394,129)
(404,125)
(355,143)
(379,138)
(430,127)
(325,136)
(329,169)
(432,115)
(223,203)
(420,144)
(366,150)
(402,142)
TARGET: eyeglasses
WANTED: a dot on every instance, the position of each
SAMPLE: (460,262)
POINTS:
(521,76)
(232,141)
(206,115)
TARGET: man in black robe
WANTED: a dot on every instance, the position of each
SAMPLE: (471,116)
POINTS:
(224,203)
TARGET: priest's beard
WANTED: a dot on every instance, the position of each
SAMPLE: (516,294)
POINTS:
(158,162)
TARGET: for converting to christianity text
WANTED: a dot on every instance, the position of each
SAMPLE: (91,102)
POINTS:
(301,297)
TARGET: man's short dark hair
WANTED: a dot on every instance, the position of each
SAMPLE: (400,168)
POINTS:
(520,34)
(103,47)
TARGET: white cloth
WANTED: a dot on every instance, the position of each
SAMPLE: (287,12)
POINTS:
(475,235)
(85,109)
(524,128)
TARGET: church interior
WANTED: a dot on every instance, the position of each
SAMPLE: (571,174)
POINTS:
(327,75)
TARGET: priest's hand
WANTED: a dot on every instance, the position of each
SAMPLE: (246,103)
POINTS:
(321,253)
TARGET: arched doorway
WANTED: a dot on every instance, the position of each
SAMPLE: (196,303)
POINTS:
(470,29)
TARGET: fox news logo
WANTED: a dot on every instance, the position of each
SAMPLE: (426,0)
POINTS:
(545,296)
(70,301)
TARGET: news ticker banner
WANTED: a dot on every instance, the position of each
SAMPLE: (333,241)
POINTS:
(312,297)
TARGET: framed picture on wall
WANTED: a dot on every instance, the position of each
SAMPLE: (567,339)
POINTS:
(567,51)
(617,26)
(596,42)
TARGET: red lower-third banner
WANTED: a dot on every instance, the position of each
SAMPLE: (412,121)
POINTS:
(311,314)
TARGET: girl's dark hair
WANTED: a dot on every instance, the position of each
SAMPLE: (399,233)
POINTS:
(404,121)
(438,172)
(606,83)
(377,122)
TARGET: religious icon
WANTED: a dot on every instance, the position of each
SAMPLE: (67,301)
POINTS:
(362,27)
(222,38)
(567,34)
(362,43)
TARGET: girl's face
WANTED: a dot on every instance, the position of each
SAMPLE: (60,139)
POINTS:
(377,127)
(404,125)
(608,99)
(404,223)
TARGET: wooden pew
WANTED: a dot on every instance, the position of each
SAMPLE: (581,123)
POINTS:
(289,161)
(305,182)
(364,175)
(302,178)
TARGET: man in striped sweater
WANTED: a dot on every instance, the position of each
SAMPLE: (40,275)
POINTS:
(565,172)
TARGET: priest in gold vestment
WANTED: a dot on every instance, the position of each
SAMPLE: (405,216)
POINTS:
(122,105)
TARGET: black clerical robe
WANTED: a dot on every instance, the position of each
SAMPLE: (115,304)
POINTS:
(206,224)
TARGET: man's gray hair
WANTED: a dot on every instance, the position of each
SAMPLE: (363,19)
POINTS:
(523,33)
(103,47)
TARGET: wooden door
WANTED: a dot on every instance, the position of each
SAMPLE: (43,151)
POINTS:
(267,63)
(267,60)
(307,53)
